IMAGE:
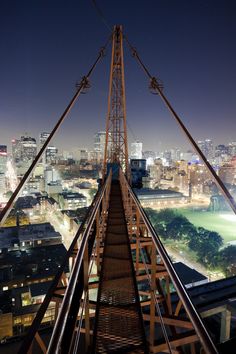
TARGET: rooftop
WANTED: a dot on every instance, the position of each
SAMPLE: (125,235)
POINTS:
(188,275)
(72,195)
(14,234)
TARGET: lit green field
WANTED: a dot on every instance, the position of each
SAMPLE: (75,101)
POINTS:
(222,222)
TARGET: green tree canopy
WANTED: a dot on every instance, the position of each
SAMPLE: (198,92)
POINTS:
(227,260)
(206,244)
(180,228)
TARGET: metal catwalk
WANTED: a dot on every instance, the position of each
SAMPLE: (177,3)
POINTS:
(118,323)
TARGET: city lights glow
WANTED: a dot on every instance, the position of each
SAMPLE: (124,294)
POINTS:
(228,217)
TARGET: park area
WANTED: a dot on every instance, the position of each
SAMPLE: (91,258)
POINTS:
(197,236)
(222,222)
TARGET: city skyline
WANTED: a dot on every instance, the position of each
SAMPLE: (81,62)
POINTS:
(91,145)
(196,66)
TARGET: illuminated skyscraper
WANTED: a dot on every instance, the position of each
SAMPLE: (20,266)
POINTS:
(99,143)
(232,148)
(3,165)
(136,150)
(16,149)
(51,151)
(207,148)
(3,158)
(28,148)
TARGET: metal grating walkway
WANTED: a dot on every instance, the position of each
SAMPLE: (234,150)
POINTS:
(118,323)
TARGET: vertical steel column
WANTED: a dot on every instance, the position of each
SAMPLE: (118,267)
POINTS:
(168,294)
(116,146)
(225,325)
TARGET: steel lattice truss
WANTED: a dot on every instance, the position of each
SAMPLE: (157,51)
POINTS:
(116,148)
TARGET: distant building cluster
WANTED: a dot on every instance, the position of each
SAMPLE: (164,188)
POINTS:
(184,172)
(173,169)
(24,150)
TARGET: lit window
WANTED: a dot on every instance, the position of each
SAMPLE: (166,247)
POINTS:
(17,320)
(5,288)
(25,299)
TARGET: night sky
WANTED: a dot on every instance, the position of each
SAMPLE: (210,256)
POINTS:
(47,45)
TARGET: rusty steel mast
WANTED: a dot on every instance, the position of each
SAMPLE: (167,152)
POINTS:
(116,146)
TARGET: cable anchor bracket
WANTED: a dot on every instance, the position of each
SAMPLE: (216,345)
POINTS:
(134,52)
(84,83)
(102,52)
(155,85)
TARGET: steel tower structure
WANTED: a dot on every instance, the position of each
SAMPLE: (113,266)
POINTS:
(116,147)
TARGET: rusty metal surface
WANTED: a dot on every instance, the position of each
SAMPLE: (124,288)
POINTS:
(118,324)
(116,144)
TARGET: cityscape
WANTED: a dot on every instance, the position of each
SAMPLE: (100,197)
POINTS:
(54,202)
(117,224)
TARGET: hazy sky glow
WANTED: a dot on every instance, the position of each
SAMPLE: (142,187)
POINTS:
(46,46)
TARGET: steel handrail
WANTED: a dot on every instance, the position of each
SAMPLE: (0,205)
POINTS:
(194,316)
(43,308)
(57,335)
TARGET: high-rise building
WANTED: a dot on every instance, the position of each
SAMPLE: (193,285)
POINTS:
(43,137)
(138,171)
(3,166)
(149,154)
(25,149)
(167,159)
(207,148)
(51,175)
(80,155)
(16,150)
(3,158)
(227,171)
(2,184)
(136,150)
(28,148)
(99,143)
(221,149)
(51,152)
(232,148)
(156,172)
(201,145)
(175,154)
